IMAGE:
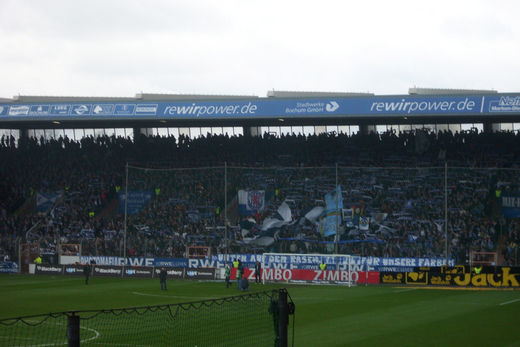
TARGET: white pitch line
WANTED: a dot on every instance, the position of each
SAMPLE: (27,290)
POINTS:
(175,296)
(404,290)
(509,302)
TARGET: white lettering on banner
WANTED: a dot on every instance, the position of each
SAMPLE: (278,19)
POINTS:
(150,109)
(209,110)
(335,276)
(511,201)
(202,263)
(107,271)
(423,106)
(277,274)
(19,110)
(45,268)
(313,107)
(505,104)
(100,260)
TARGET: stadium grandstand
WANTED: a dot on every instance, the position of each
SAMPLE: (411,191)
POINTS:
(429,174)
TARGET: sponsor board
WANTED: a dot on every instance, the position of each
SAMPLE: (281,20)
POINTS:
(108,270)
(312,276)
(39,110)
(48,270)
(102,109)
(8,267)
(74,270)
(505,104)
(60,110)
(200,274)
(374,106)
(170,262)
(498,277)
(138,272)
(146,109)
(175,273)
(81,110)
(124,109)
(19,110)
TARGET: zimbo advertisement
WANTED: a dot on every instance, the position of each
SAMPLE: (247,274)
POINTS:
(270,108)
(312,276)
(461,276)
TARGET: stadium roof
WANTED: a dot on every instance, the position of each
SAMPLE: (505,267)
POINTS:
(281,94)
(440,91)
(138,97)
(296,94)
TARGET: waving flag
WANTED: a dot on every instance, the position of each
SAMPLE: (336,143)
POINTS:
(334,206)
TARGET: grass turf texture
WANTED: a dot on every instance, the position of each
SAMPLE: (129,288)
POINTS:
(325,315)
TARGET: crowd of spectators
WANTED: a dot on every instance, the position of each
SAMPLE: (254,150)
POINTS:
(396,180)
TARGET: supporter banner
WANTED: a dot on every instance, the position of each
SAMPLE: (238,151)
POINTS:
(310,261)
(176,273)
(130,261)
(137,200)
(8,267)
(312,276)
(413,105)
(510,206)
(500,277)
(48,270)
(277,261)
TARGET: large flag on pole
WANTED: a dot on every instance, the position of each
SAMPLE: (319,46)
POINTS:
(333,207)
(250,201)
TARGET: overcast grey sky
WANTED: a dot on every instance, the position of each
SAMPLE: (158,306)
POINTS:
(247,47)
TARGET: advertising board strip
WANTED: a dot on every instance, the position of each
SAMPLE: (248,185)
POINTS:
(497,277)
(375,106)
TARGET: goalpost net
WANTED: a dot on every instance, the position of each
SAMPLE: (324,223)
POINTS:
(310,268)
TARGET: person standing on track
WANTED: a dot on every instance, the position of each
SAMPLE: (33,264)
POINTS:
(162,277)
(86,272)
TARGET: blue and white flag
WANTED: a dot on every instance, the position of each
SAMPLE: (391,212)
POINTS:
(333,207)
(250,201)
(137,200)
(45,201)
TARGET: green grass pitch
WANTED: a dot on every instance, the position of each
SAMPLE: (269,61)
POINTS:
(325,315)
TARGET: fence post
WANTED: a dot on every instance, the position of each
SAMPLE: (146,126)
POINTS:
(283,317)
(73,330)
